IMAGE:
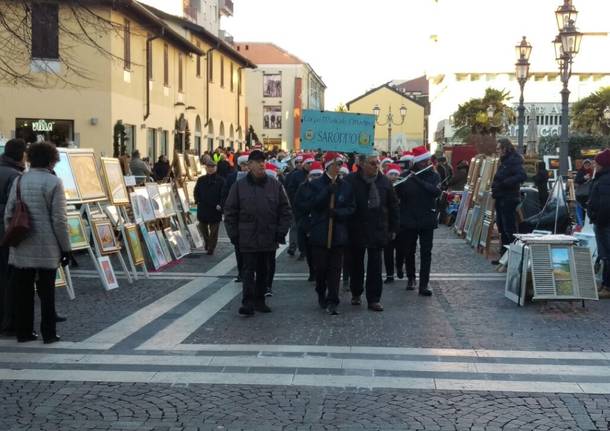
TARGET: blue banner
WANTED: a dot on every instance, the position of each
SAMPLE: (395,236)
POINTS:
(337,131)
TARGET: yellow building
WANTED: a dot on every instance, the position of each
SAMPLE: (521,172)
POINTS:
(78,74)
(404,134)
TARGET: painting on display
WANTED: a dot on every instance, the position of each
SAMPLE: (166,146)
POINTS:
(104,234)
(190,192)
(155,199)
(115,182)
(87,176)
(183,244)
(173,242)
(562,273)
(113,214)
(179,165)
(184,203)
(60,278)
(151,246)
(165,249)
(64,172)
(165,192)
(109,278)
(512,288)
(272,85)
(156,248)
(135,246)
(195,235)
(76,230)
(272,117)
(140,202)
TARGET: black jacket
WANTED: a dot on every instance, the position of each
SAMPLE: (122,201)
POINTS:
(318,201)
(208,194)
(371,227)
(599,199)
(9,170)
(418,197)
(293,181)
(459,178)
(300,207)
(224,168)
(161,170)
(509,177)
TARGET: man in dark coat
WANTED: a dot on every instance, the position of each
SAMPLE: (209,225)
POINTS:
(12,164)
(208,197)
(418,196)
(224,167)
(505,189)
(599,212)
(374,223)
(293,180)
(331,203)
(257,219)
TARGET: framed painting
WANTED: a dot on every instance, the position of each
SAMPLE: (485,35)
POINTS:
(151,246)
(155,199)
(115,182)
(184,203)
(179,165)
(157,249)
(104,234)
(76,230)
(87,176)
(164,248)
(113,214)
(170,235)
(64,171)
(195,235)
(141,200)
(135,246)
(183,244)
(109,278)
(60,278)
(190,192)
(512,288)
(167,201)
(192,162)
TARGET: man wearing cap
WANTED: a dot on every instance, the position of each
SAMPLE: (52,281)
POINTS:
(598,208)
(418,218)
(257,219)
(374,221)
(293,181)
(208,197)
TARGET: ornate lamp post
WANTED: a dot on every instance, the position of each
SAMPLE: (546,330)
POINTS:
(567,45)
(522,71)
(390,121)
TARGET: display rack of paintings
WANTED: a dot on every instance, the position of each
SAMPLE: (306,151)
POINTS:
(187,201)
(460,219)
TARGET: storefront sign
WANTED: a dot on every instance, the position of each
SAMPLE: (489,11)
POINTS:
(337,131)
(42,126)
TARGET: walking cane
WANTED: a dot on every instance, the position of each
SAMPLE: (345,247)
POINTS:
(329,239)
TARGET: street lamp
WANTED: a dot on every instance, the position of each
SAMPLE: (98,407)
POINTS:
(567,45)
(390,121)
(522,72)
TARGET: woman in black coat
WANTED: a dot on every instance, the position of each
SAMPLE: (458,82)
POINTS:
(208,197)
(541,180)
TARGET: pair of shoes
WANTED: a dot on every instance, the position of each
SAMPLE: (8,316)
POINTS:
(238,279)
(291,253)
(311,277)
(332,310)
(262,308)
(59,318)
(604,293)
(389,279)
(246,311)
(268,292)
(301,257)
(425,291)
(51,340)
(495,262)
(375,306)
(24,339)
(411,283)
(322,301)
(356,300)
(210,252)
(400,275)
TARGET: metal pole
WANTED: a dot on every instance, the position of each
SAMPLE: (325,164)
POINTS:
(565,121)
(521,120)
(390,138)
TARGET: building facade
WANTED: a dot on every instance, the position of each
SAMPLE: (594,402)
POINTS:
(166,81)
(278,91)
(388,99)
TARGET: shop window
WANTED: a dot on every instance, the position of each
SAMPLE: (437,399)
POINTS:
(60,132)
(130,138)
(45,30)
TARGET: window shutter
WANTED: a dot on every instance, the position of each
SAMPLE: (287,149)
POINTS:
(45,30)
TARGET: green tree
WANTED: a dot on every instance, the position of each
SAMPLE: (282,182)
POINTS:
(549,144)
(341,108)
(251,137)
(471,117)
(588,113)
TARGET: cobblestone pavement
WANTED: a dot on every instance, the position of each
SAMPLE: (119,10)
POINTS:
(170,353)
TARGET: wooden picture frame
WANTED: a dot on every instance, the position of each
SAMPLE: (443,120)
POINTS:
(167,200)
(190,192)
(109,279)
(163,243)
(77,232)
(104,235)
(87,176)
(173,242)
(134,244)
(115,182)
(64,171)
(153,246)
(183,244)
(195,235)
(141,200)
(154,196)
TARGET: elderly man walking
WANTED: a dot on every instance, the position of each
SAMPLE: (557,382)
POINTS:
(257,219)
(374,223)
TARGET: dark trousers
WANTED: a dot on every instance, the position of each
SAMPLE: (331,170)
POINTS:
(328,265)
(506,219)
(292,238)
(209,231)
(24,280)
(255,273)
(270,269)
(7,293)
(602,237)
(373,273)
(346,265)
(305,247)
(238,258)
(394,249)
(426,237)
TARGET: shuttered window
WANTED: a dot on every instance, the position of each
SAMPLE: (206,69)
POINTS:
(45,30)
(166,65)
(127,45)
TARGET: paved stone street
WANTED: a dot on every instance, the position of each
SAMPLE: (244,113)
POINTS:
(170,353)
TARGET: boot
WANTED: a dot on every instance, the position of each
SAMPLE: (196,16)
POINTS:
(322,300)
(425,291)
(261,307)
(268,292)
(246,310)
(332,310)
(389,279)
(411,283)
(400,274)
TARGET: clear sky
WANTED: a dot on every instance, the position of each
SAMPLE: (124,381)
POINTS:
(356,45)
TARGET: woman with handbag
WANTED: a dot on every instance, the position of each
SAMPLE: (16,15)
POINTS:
(41,245)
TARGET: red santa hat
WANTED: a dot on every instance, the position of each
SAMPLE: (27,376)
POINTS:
(308,158)
(392,168)
(243,158)
(344,170)
(271,170)
(299,157)
(420,154)
(407,156)
(331,157)
(386,160)
(316,169)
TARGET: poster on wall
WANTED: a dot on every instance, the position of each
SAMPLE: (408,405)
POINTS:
(272,117)
(272,85)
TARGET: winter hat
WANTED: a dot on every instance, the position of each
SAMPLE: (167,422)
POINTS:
(344,170)
(316,169)
(257,155)
(331,157)
(308,158)
(407,156)
(603,158)
(299,157)
(392,168)
(386,161)
(271,170)
(420,154)
(243,158)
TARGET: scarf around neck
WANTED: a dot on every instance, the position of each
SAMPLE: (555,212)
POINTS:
(374,200)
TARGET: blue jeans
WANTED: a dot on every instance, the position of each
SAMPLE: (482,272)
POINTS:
(602,237)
